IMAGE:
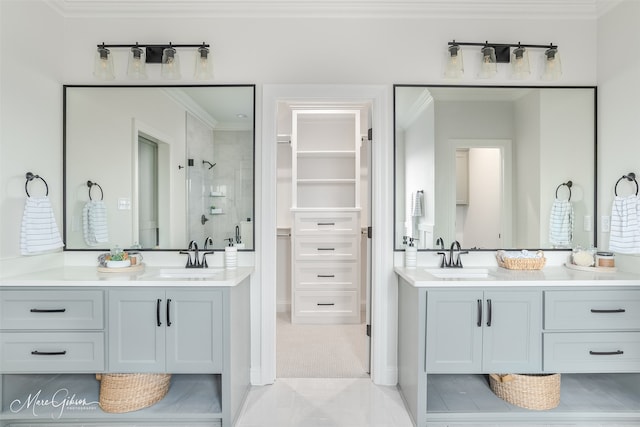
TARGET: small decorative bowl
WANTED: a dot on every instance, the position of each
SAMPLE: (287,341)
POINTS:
(118,264)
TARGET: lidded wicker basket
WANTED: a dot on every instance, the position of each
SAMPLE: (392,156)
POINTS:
(514,263)
(130,392)
(539,392)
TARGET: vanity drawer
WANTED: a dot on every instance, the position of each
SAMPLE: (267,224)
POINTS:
(326,275)
(52,352)
(331,304)
(43,309)
(591,352)
(326,248)
(324,223)
(592,310)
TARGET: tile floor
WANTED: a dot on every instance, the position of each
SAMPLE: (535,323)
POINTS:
(324,402)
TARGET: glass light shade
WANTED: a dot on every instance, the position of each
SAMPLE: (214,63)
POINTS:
(204,64)
(520,63)
(552,65)
(455,63)
(489,65)
(103,64)
(136,68)
(170,64)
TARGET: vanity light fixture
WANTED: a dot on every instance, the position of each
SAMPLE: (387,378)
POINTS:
(141,54)
(517,54)
(455,65)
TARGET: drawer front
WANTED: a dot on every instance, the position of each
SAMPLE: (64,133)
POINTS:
(326,275)
(592,352)
(336,304)
(325,223)
(52,352)
(326,249)
(592,310)
(48,310)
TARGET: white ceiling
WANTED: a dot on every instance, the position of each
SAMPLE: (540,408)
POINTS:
(542,9)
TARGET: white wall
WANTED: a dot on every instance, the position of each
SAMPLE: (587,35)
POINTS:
(296,50)
(618,97)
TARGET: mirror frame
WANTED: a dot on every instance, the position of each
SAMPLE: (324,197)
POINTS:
(157,86)
(595,155)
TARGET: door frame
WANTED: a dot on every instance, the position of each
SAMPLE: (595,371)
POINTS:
(383,293)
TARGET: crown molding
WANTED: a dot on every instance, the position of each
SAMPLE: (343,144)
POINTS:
(459,9)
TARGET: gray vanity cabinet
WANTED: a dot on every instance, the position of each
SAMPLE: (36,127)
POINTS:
(173,330)
(471,331)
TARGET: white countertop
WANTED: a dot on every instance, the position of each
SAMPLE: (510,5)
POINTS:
(149,276)
(501,277)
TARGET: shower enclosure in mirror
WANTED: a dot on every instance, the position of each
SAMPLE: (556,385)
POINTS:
(485,165)
(158,166)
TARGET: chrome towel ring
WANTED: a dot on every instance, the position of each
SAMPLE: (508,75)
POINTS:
(90,185)
(568,184)
(30,177)
(629,177)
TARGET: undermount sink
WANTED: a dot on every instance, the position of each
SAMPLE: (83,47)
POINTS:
(189,273)
(458,273)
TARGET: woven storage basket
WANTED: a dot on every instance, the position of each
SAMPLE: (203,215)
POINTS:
(130,392)
(521,263)
(538,392)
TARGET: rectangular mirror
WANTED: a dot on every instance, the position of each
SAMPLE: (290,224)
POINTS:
(486,165)
(157,167)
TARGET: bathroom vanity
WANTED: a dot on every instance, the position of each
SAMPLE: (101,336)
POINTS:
(453,332)
(61,327)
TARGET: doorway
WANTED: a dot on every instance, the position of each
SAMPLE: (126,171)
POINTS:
(327,343)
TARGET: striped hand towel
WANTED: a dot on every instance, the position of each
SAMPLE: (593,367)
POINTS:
(561,223)
(625,225)
(94,222)
(417,199)
(39,231)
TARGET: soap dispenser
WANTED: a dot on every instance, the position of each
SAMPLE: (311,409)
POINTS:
(410,255)
(230,255)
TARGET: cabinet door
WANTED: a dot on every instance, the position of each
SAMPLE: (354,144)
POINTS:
(512,331)
(136,331)
(194,331)
(454,331)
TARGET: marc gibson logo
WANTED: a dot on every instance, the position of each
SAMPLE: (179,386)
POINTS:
(60,401)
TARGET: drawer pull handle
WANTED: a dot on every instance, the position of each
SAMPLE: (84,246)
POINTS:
(327,275)
(326,223)
(617,310)
(49,353)
(489,313)
(479,323)
(168,312)
(326,249)
(326,303)
(606,353)
(48,310)
(158,312)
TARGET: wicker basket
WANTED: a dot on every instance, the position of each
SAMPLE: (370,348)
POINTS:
(521,263)
(129,392)
(538,392)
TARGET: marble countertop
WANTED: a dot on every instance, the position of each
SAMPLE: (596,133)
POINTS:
(501,277)
(71,276)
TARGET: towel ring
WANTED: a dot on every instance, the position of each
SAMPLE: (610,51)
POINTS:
(569,184)
(90,185)
(629,177)
(30,177)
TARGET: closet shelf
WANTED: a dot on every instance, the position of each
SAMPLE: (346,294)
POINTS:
(327,153)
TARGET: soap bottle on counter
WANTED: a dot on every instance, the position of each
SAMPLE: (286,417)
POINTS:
(410,255)
(230,255)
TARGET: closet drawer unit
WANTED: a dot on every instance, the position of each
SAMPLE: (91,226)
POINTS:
(591,352)
(325,223)
(41,309)
(326,249)
(336,304)
(592,310)
(325,275)
(50,352)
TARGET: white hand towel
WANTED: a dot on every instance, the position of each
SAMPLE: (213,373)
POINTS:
(625,225)
(416,203)
(94,223)
(561,223)
(39,231)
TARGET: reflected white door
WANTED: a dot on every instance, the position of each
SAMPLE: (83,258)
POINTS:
(147,192)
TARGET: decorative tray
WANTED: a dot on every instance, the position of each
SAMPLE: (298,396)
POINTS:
(594,269)
(130,269)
